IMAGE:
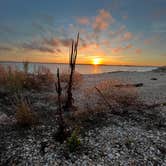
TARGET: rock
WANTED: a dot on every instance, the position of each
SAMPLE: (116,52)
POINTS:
(110,156)
(4,119)
(154,79)
(138,85)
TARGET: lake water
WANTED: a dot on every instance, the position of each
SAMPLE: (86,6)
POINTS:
(83,69)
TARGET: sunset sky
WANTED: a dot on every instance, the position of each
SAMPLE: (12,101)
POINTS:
(117,32)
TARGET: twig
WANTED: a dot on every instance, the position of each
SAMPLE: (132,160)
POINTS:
(105,100)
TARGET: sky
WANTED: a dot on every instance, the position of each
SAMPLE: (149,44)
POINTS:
(116,32)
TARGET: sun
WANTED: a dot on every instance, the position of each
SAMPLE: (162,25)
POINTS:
(96,61)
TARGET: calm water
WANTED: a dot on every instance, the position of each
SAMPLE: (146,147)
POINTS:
(83,69)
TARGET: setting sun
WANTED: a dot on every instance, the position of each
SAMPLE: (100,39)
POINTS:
(96,61)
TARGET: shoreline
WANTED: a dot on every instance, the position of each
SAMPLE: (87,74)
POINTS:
(81,64)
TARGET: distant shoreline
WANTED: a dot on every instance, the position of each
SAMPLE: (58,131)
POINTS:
(78,64)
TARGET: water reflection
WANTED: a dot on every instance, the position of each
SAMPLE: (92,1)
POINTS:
(96,69)
(83,69)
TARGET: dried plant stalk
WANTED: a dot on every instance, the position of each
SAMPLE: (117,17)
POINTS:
(60,114)
(72,63)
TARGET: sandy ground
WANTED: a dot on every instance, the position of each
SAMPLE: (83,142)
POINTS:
(152,91)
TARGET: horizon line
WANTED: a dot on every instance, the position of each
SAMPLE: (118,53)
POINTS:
(82,64)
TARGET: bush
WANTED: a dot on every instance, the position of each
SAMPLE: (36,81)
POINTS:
(73,141)
(24,115)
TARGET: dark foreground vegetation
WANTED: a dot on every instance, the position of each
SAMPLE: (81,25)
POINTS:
(42,122)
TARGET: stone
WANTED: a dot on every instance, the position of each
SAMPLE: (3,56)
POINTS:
(4,119)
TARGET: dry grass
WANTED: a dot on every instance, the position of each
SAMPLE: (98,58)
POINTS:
(77,78)
(119,98)
(15,80)
(24,115)
(11,78)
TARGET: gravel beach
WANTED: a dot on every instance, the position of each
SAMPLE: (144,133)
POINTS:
(137,138)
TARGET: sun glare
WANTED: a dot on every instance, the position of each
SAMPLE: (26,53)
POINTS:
(96,61)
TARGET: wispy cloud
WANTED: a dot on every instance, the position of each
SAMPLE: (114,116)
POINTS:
(138,51)
(151,40)
(5,48)
(120,48)
(57,42)
(35,46)
(83,20)
(127,36)
(98,23)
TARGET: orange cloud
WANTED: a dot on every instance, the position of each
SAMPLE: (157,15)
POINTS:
(148,41)
(106,43)
(117,49)
(83,21)
(118,32)
(151,40)
(102,21)
(120,49)
(90,47)
(138,51)
(55,42)
(127,36)
(128,46)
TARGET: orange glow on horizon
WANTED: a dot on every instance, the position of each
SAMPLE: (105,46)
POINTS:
(97,61)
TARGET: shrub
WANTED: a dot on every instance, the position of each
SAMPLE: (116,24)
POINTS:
(73,141)
(24,115)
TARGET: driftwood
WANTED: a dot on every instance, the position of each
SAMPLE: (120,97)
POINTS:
(129,85)
(155,105)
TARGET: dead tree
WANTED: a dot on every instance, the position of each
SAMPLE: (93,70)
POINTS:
(72,63)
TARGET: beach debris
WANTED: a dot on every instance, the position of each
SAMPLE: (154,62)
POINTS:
(130,85)
(153,78)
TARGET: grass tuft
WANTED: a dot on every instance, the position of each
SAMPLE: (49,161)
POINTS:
(73,141)
(24,115)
